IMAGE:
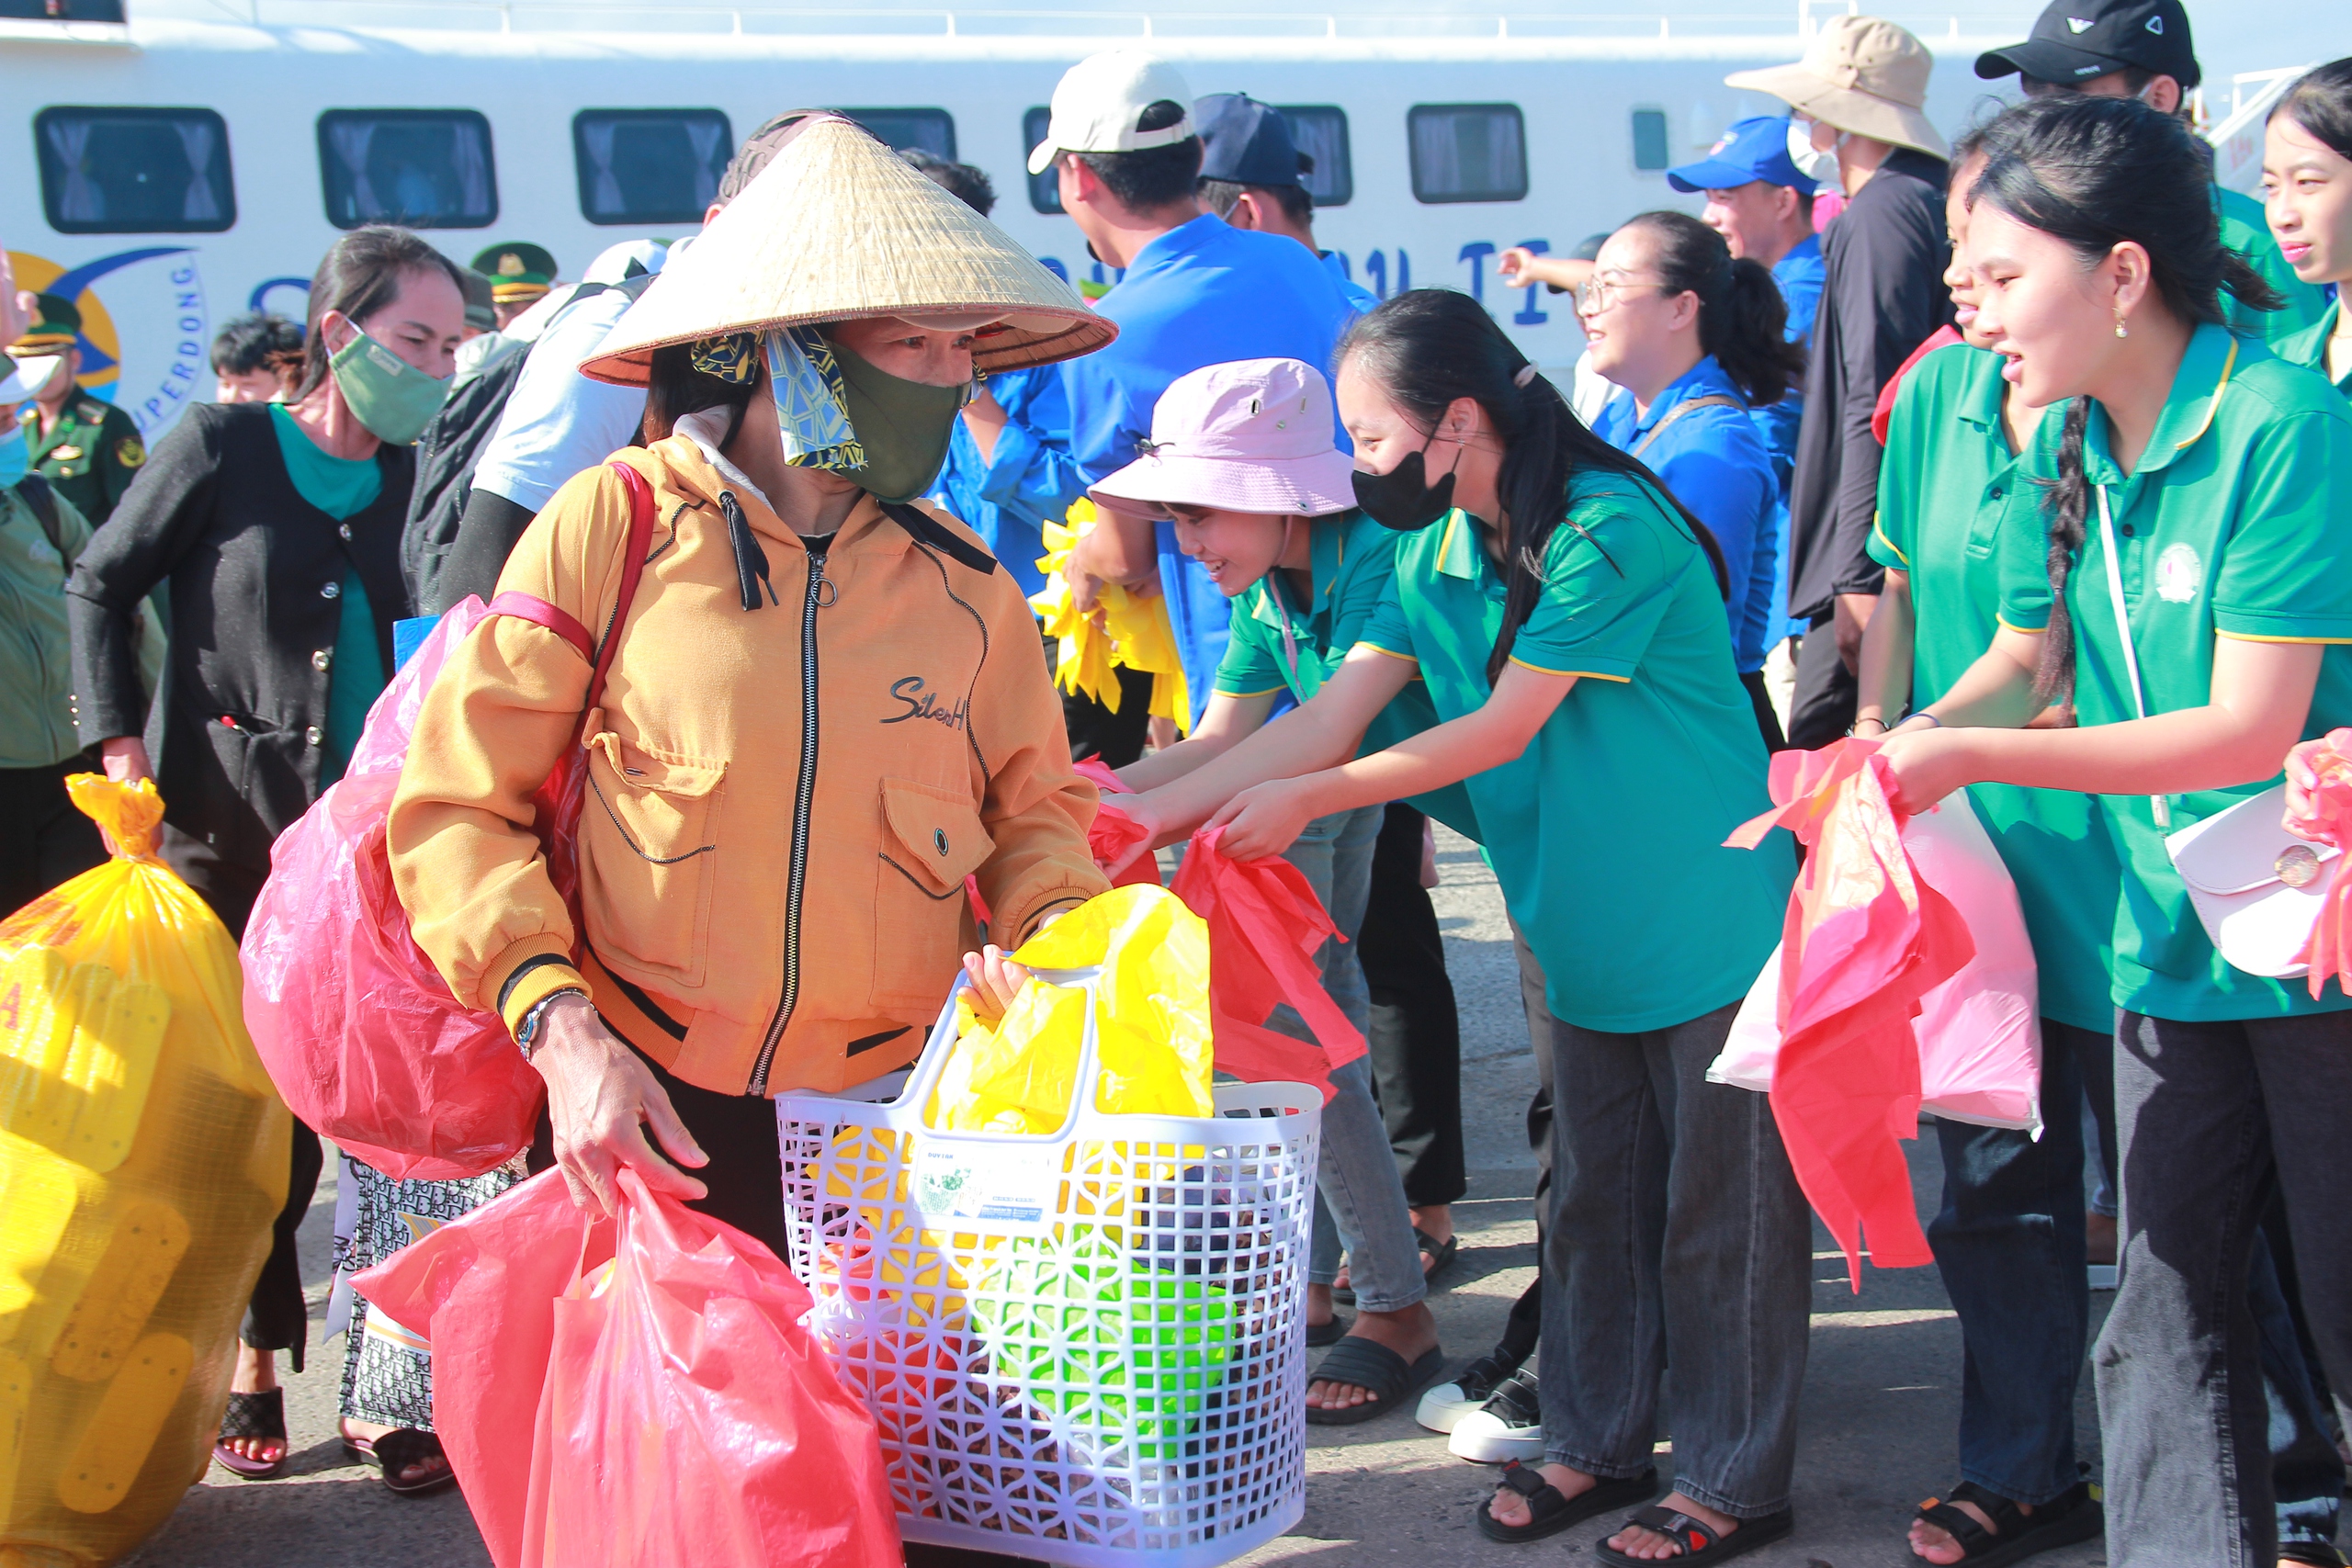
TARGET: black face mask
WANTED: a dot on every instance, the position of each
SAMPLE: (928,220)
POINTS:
(1403,499)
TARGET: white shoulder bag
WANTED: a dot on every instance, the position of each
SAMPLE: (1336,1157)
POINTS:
(2256,887)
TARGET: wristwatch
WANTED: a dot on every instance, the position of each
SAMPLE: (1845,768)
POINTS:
(526,1033)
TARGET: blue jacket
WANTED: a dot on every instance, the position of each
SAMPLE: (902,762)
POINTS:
(1007,497)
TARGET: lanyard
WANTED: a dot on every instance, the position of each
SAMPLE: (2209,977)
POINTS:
(2156,803)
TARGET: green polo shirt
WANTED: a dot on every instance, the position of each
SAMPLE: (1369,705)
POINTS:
(2308,348)
(1607,833)
(1351,559)
(1941,492)
(2228,528)
(2246,232)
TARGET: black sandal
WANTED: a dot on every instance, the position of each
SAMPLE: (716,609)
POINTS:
(259,1414)
(1330,1331)
(2073,1515)
(1699,1539)
(1360,1363)
(395,1451)
(1549,1512)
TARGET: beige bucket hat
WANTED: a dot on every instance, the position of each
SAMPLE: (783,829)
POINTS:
(1861,74)
(838,227)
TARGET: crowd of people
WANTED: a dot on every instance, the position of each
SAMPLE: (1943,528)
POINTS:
(2019,468)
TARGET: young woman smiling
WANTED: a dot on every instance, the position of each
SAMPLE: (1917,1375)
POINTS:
(2171,567)
(2307,195)
(1565,617)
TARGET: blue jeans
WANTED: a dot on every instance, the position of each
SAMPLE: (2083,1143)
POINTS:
(1359,1196)
(2009,1242)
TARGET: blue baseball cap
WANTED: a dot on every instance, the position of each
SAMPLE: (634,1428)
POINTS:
(1245,141)
(1756,148)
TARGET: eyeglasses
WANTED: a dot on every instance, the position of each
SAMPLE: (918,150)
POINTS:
(1597,294)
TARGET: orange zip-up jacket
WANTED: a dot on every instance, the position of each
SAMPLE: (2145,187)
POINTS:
(785,801)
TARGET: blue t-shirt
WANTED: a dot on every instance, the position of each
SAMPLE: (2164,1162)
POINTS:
(1361,300)
(1715,464)
(1007,497)
(1204,293)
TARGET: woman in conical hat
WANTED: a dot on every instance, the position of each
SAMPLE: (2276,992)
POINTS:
(826,708)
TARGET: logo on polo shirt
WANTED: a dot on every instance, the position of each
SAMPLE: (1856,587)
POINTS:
(2179,574)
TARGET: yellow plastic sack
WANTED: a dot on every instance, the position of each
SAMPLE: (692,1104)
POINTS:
(1135,631)
(143,1158)
(1151,1023)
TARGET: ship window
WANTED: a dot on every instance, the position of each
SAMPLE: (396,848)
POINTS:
(420,168)
(1649,139)
(1045,189)
(649,165)
(1468,152)
(1320,133)
(930,130)
(134,171)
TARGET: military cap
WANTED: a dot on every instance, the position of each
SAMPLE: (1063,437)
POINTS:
(55,331)
(517,271)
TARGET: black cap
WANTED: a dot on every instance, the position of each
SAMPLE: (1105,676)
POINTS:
(2077,39)
(1244,142)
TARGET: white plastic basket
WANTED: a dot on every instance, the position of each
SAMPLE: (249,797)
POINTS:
(1087,1348)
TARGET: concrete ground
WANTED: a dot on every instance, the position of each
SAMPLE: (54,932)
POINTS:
(1881,1402)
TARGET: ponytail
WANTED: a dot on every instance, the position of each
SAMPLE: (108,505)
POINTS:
(1743,319)
(1429,347)
(2068,504)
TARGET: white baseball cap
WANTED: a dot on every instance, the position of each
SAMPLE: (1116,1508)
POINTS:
(1099,100)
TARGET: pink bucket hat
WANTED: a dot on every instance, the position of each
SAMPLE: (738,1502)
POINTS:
(1250,435)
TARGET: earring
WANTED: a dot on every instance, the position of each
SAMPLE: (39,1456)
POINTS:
(2120,330)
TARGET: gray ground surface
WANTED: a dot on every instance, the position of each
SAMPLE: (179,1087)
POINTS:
(1881,1400)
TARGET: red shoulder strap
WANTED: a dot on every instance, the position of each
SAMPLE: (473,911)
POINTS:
(538,611)
(641,545)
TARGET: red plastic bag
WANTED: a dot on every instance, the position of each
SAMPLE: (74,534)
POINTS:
(1114,832)
(356,1027)
(636,1394)
(2328,950)
(1265,926)
(1866,938)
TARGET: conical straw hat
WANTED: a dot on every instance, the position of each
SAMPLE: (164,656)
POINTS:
(838,226)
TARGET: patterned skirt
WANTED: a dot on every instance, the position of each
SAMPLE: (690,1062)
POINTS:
(388,1367)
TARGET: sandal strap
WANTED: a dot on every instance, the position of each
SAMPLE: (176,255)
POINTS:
(1693,1535)
(261,1415)
(1973,1539)
(1527,1483)
(405,1446)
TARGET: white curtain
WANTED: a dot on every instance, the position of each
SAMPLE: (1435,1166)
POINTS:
(470,156)
(202,203)
(81,201)
(705,133)
(1322,136)
(1468,153)
(604,198)
(350,139)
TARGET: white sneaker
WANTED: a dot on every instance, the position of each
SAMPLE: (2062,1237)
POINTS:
(1509,1425)
(1443,1406)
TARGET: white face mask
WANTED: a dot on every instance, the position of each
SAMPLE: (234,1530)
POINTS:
(1818,164)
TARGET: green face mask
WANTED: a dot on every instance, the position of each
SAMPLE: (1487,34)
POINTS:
(392,398)
(904,427)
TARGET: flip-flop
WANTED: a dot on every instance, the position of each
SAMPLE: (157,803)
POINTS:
(394,1453)
(1549,1512)
(1698,1540)
(259,1414)
(1361,1363)
(1330,1331)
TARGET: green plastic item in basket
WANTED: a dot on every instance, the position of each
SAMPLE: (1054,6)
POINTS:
(1072,1318)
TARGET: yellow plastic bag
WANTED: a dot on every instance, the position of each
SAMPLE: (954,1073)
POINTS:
(1135,630)
(1151,1023)
(143,1158)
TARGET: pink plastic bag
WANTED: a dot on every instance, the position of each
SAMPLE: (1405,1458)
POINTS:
(638,1393)
(357,1029)
(1979,1034)
(1866,940)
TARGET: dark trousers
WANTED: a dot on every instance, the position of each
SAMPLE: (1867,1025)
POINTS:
(277,1318)
(1767,723)
(1823,708)
(2212,1119)
(43,840)
(1096,731)
(2009,1242)
(1414,1041)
